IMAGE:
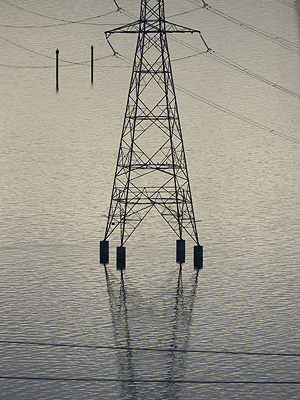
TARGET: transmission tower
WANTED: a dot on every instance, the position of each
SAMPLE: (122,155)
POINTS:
(151,171)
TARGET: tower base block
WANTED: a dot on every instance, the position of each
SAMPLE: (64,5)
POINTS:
(104,252)
(121,258)
(198,257)
(180,251)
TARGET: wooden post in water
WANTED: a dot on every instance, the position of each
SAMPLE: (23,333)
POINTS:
(92,65)
(57,53)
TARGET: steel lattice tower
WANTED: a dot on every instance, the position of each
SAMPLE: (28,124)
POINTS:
(151,170)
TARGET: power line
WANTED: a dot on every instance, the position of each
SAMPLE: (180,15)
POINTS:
(65,21)
(24,48)
(70,63)
(82,21)
(186,12)
(226,110)
(151,349)
(286,44)
(27,66)
(61,66)
(233,65)
(286,3)
(237,115)
(159,381)
(215,56)
(55,25)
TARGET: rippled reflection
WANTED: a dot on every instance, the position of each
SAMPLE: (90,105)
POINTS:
(149,325)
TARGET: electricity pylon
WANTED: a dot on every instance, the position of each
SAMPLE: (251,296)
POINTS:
(151,171)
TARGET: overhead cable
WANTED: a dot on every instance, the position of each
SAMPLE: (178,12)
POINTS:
(82,21)
(237,115)
(287,3)
(233,65)
(215,56)
(55,18)
(286,44)
(226,110)
(47,56)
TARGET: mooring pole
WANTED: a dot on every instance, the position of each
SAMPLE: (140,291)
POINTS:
(92,65)
(57,53)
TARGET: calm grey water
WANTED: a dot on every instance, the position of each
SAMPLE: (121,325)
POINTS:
(58,153)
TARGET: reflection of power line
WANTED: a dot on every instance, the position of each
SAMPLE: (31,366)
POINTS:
(150,349)
(159,381)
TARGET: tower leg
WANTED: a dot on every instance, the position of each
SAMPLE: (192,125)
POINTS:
(121,258)
(104,252)
(198,257)
(180,251)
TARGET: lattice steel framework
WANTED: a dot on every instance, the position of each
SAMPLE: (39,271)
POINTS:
(151,170)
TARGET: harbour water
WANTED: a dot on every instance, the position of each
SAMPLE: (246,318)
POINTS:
(71,329)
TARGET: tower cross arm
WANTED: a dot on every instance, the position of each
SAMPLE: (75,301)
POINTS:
(133,27)
(170,27)
(151,26)
(175,28)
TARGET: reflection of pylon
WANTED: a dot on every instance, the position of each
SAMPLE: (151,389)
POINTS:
(139,316)
(151,169)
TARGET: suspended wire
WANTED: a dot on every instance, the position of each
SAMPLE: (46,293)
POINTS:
(237,115)
(128,61)
(159,381)
(55,18)
(134,17)
(215,56)
(64,65)
(57,25)
(197,2)
(25,48)
(185,12)
(82,21)
(286,44)
(129,14)
(286,3)
(70,63)
(151,349)
(32,12)
(233,65)
(225,110)
(28,66)
(190,56)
